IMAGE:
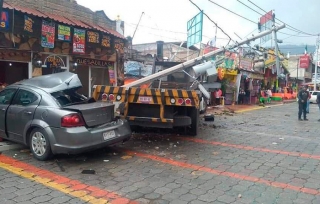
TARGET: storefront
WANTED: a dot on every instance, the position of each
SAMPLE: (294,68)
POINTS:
(94,72)
(252,81)
(35,44)
(14,66)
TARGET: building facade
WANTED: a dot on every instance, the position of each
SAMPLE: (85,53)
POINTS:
(39,37)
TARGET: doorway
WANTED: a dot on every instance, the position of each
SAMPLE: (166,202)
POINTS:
(12,72)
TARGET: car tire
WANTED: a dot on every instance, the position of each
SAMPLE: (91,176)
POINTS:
(40,144)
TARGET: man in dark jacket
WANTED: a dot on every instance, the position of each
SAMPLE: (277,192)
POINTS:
(303,96)
(318,101)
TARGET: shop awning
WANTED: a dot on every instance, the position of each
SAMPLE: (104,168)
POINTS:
(62,19)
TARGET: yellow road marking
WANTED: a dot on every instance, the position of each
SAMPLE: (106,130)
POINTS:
(82,195)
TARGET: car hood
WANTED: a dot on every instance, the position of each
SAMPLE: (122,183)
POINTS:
(54,82)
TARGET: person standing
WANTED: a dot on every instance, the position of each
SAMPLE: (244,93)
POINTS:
(318,101)
(303,96)
(308,101)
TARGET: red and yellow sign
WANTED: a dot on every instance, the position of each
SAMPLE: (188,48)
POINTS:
(223,71)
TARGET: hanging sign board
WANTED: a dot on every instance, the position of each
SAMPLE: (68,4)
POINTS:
(64,33)
(79,37)
(47,34)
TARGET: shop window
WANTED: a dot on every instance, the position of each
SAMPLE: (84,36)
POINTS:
(24,98)
(6,96)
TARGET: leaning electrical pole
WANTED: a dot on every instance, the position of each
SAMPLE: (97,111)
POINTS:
(316,65)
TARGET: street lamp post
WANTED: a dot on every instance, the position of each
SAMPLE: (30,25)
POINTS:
(316,65)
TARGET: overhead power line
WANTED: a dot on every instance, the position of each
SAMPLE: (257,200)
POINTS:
(295,29)
(292,35)
(233,12)
(213,22)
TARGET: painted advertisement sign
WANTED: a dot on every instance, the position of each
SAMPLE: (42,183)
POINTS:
(47,34)
(79,38)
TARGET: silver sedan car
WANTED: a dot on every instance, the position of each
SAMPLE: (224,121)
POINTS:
(47,114)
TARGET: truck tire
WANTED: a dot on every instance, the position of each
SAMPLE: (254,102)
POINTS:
(121,108)
(195,119)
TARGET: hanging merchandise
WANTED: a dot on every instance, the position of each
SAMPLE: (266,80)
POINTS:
(47,34)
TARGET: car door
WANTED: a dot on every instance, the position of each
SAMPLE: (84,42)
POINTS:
(20,113)
(5,100)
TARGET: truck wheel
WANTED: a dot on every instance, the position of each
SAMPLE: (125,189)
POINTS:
(40,144)
(195,118)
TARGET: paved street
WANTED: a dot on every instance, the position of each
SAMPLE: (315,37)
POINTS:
(260,156)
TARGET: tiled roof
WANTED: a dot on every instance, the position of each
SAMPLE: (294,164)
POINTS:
(62,19)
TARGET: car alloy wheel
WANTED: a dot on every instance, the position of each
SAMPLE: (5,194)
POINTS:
(38,144)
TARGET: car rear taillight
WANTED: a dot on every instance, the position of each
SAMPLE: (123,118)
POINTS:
(72,120)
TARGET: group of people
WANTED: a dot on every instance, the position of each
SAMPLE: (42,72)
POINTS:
(303,100)
(244,97)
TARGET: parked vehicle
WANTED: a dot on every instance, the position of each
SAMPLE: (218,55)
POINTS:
(313,96)
(47,114)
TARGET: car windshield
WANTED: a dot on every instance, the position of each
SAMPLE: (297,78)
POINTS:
(69,97)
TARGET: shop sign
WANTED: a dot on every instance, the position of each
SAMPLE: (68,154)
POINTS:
(54,61)
(252,75)
(223,71)
(112,77)
(93,37)
(93,62)
(4,21)
(47,34)
(246,64)
(64,33)
(79,37)
(106,41)
(28,24)
(304,61)
(119,45)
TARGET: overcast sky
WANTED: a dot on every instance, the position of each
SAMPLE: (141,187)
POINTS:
(167,19)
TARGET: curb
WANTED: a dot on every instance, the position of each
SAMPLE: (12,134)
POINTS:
(257,108)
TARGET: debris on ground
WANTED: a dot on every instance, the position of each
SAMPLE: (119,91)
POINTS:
(89,171)
(126,157)
(274,143)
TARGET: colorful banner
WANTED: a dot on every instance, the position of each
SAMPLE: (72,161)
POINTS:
(4,21)
(93,37)
(28,24)
(112,74)
(79,37)
(64,33)
(304,61)
(47,34)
